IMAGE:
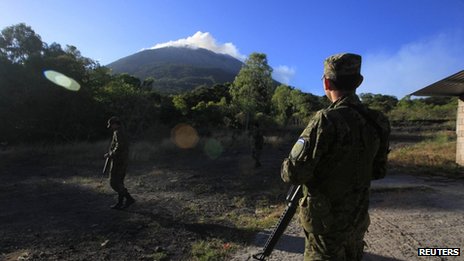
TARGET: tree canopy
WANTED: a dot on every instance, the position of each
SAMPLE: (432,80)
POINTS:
(253,87)
(18,43)
(33,109)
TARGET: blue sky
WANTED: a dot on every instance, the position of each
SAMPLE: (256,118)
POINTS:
(405,45)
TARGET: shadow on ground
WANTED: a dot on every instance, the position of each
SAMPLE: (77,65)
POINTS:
(52,213)
(409,192)
(374,257)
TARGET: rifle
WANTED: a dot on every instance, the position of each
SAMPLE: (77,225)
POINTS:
(105,168)
(292,203)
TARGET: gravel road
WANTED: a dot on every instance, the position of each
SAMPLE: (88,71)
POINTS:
(407,213)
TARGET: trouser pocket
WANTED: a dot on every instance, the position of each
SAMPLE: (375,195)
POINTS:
(315,215)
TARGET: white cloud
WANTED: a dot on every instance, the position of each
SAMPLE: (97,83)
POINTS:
(283,74)
(206,41)
(414,66)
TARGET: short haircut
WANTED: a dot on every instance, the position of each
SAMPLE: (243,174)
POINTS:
(347,82)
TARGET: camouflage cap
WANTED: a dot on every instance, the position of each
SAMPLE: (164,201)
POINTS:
(343,64)
(112,120)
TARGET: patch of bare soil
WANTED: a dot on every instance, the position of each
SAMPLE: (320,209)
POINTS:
(59,212)
(407,213)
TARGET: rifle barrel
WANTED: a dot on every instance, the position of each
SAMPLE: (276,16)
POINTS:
(105,166)
(282,224)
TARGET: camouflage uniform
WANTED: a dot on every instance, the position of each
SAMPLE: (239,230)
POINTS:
(341,150)
(119,155)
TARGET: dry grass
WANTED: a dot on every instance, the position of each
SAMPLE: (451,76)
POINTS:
(143,151)
(262,218)
(83,153)
(70,155)
(211,250)
(278,141)
(435,155)
(91,154)
(217,249)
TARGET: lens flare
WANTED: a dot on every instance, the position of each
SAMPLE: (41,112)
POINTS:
(213,148)
(62,80)
(184,136)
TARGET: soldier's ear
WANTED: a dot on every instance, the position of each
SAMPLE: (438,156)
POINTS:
(328,85)
(361,78)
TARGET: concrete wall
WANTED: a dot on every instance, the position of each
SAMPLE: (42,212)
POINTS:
(460,133)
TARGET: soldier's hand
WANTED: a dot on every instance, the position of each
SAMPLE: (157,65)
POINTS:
(107,155)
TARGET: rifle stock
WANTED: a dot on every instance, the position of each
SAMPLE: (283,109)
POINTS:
(284,220)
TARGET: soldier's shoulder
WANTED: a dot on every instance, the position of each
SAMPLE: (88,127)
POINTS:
(380,118)
(335,113)
(322,119)
(324,114)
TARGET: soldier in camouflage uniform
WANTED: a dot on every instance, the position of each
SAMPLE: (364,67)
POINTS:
(119,155)
(341,150)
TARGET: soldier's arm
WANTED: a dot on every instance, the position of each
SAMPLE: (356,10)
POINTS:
(314,143)
(119,142)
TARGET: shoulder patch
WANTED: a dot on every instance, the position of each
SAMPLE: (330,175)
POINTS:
(298,149)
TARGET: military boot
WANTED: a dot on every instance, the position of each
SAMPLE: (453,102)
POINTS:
(129,200)
(120,204)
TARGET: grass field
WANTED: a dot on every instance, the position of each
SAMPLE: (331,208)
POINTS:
(435,155)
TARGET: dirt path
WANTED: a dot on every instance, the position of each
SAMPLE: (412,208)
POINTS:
(406,213)
(51,211)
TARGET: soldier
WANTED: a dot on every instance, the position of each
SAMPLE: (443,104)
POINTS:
(119,155)
(337,155)
(258,142)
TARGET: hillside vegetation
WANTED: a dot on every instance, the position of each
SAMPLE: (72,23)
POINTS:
(33,109)
(179,69)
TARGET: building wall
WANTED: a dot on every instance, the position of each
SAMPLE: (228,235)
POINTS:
(460,133)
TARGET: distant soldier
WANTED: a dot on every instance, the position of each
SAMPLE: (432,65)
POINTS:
(341,150)
(119,155)
(258,142)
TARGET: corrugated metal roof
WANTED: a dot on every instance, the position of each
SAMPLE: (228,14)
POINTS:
(449,86)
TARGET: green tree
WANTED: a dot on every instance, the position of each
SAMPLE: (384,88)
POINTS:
(283,103)
(98,77)
(304,105)
(253,87)
(384,103)
(209,114)
(19,42)
(439,100)
(293,105)
(147,84)
(429,108)
(185,102)
(129,79)
(38,110)
(180,104)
